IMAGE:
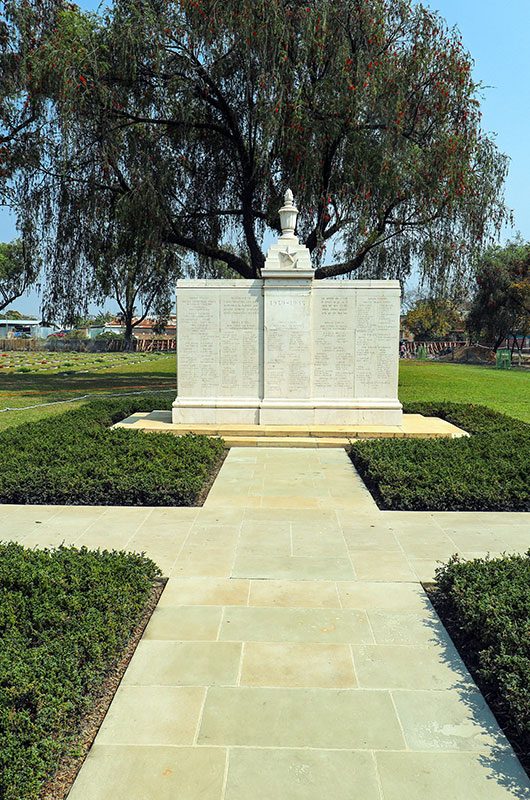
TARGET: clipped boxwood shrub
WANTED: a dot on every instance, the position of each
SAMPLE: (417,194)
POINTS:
(486,472)
(485,604)
(66,617)
(75,459)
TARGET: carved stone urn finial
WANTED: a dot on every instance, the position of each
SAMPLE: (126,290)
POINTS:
(288,216)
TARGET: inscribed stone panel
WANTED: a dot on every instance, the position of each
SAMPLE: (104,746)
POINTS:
(376,343)
(287,343)
(333,342)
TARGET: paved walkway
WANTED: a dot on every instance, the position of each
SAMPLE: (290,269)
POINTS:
(293,653)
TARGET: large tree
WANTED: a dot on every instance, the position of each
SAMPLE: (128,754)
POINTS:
(501,304)
(189,120)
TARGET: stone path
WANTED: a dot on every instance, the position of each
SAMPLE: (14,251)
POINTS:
(293,653)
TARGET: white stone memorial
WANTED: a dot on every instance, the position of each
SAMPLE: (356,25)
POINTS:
(287,349)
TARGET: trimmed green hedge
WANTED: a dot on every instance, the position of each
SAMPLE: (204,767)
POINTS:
(489,471)
(485,603)
(75,459)
(66,617)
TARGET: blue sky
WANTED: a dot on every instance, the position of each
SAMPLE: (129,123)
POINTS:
(495,33)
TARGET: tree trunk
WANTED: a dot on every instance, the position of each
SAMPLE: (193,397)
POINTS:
(128,334)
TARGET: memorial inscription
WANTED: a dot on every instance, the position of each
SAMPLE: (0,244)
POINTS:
(333,342)
(287,343)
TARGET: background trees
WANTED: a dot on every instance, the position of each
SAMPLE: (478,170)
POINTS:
(433,318)
(501,303)
(17,272)
(185,121)
(141,282)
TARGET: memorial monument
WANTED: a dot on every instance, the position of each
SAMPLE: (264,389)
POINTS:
(287,349)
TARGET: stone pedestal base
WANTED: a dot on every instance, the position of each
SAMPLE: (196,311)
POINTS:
(329,412)
(285,412)
(215,412)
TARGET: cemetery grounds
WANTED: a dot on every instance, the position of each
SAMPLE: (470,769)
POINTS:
(400,672)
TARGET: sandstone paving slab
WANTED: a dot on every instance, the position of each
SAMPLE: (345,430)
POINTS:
(326,666)
(407,627)
(426,545)
(234,498)
(160,548)
(274,542)
(301,775)
(381,566)
(318,523)
(393,597)
(448,720)
(114,772)
(105,539)
(203,562)
(477,520)
(294,594)
(409,667)
(452,776)
(293,501)
(517,538)
(316,718)
(477,540)
(213,514)
(41,538)
(153,715)
(292,568)
(412,521)
(303,518)
(372,540)
(425,568)
(225,536)
(184,664)
(204,592)
(185,623)
(20,512)
(255,624)
(321,547)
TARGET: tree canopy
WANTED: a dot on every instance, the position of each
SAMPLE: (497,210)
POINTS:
(183,122)
(501,303)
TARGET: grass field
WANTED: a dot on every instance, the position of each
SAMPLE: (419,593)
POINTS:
(504,391)
(131,372)
(420,381)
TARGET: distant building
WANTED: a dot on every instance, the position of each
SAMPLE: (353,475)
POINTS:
(24,329)
(144,329)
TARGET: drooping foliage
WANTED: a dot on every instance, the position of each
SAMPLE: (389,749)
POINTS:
(183,122)
(501,303)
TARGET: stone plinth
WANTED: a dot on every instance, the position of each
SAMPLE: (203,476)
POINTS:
(286,349)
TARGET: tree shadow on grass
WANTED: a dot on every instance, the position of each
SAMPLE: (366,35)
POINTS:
(31,384)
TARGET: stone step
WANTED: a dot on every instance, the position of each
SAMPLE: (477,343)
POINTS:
(285,441)
(414,426)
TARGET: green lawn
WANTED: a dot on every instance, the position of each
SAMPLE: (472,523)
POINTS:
(128,374)
(504,391)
